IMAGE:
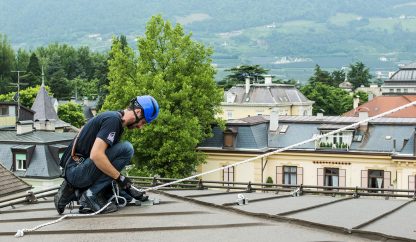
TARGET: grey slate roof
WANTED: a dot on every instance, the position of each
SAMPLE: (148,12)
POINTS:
(295,133)
(267,94)
(252,137)
(36,137)
(42,163)
(253,133)
(11,184)
(406,73)
(376,140)
(43,106)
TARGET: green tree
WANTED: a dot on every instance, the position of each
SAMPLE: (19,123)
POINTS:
(328,99)
(7,63)
(321,76)
(177,71)
(22,59)
(239,73)
(57,80)
(362,96)
(359,75)
(33,71)
(337,77)
(27,96)
(83,88)
(71,112)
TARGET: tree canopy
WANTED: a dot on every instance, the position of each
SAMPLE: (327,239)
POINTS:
(27,96)
(328,99)
(359,75)
(177,71)
(72,113)
(239,73)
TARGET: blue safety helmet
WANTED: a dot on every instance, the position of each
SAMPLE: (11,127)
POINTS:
(149,106)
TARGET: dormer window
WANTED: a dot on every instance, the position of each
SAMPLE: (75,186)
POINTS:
(20,162)
(22,155)
(57,150)
(230,138)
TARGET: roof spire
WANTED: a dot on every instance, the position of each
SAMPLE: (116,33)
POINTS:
(43,78)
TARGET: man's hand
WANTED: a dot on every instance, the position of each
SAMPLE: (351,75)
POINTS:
(124,182)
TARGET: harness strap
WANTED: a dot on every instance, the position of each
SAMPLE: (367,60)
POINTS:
(74,155)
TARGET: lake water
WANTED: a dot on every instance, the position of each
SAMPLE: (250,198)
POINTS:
(303,70)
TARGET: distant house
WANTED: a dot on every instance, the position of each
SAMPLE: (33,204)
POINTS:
(8,114)
(31,154)
(402,82)
(31,147)
(383,104)
(377,154)
(260,99)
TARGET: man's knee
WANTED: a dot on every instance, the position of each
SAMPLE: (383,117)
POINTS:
(128,147)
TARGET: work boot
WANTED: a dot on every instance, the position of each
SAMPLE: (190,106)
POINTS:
(94,202)
(65,195)
(139,196)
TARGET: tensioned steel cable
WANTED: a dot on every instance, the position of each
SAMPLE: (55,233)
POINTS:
(21,231)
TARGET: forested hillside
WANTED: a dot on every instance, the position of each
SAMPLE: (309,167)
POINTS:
(238,27)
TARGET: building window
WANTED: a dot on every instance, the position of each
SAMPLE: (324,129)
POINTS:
(4,110)
(391,90)
(398,90)
(289,175)
(375,178)
(230,135)
(405,90)
(229,115)
(20,162)
(228,174)
(331,178)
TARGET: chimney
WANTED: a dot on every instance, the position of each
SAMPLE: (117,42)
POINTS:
(274,120)
(268,79)
(50,125)
(362,115)
(356,101)
(247,84)
(370,96)
(24,127)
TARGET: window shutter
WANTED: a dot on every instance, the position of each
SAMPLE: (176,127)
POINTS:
(299,176)
(342,178)
(279,174)
(412,182)
(320,181)
(387,178)
(364,178)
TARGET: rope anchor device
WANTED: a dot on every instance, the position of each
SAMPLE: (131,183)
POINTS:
(21,231)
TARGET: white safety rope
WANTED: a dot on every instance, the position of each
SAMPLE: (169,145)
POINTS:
(115,196)
(21,231)
(284,148)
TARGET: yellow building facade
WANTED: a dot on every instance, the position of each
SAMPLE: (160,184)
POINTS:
(364,163)
(247,100)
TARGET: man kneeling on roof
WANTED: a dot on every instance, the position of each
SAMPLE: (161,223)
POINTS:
(96,156)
